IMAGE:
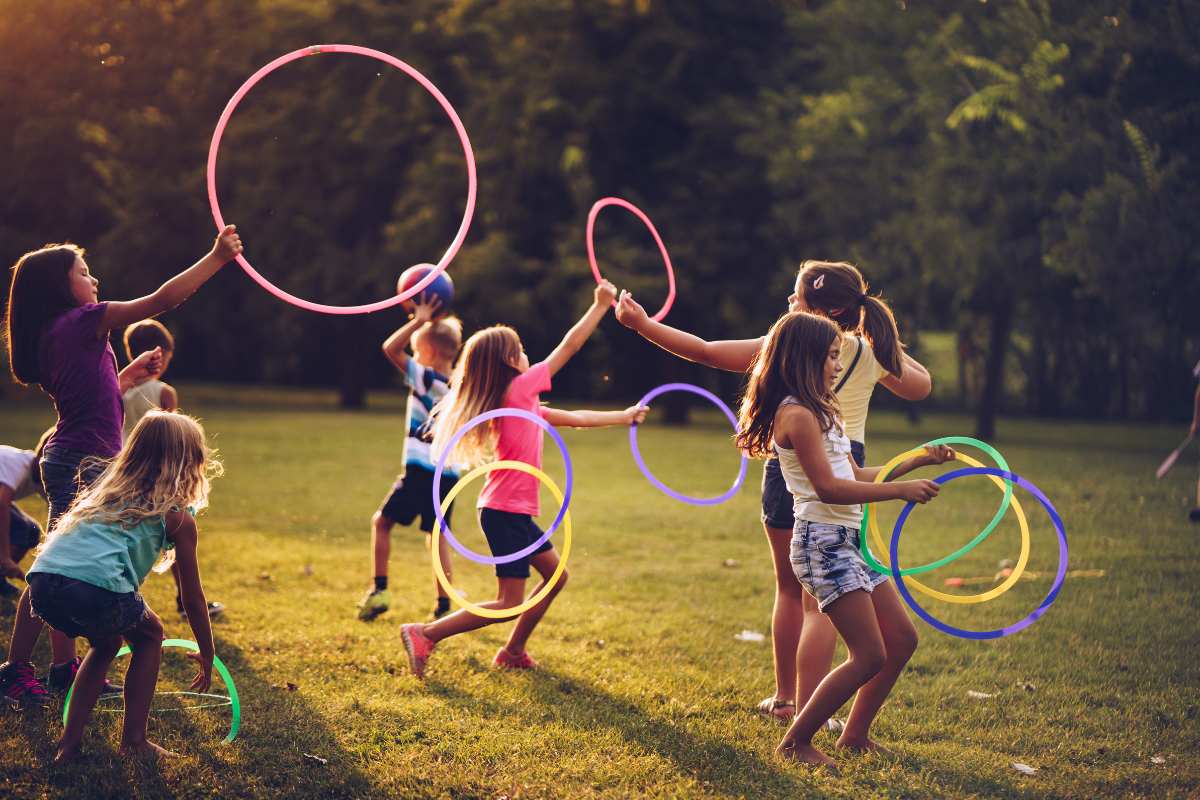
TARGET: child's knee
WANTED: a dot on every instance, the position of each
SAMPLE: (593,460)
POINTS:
(381,524)
(105,647)
(870,659)
(148,630)
(561,582)
(905,643)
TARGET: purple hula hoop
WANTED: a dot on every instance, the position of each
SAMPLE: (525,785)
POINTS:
(441,465)
(1037,612)
(662,487)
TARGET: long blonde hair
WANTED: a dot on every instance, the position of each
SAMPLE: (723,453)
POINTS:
(480,381)
(166,464)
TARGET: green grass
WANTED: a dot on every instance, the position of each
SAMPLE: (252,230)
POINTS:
(645,692)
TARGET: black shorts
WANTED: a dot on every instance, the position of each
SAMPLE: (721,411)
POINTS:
(507,533)
(412,496)
(777,501)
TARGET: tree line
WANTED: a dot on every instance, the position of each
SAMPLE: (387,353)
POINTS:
(1020,172)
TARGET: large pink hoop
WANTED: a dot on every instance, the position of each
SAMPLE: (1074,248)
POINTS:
(462,134)
(662,248)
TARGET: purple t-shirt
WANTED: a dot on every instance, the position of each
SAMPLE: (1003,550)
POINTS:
(79,371)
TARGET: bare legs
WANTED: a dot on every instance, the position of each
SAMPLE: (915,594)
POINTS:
(26,631)
(381,550)
(145,639)
(881,639)
(510,593)
(803,639)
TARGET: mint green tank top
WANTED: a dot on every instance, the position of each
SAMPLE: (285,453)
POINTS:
(105,554)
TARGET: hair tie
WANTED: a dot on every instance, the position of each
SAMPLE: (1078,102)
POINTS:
(819,282)
(862,298)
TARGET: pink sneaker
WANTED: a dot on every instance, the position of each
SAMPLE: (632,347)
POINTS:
(416,646)
(507,660)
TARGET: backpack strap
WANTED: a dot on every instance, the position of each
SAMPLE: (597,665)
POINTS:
(853,364)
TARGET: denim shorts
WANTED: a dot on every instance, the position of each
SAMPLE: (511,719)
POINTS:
(777,501)
(76,608)
(65,475)
(507,533)
(827,561)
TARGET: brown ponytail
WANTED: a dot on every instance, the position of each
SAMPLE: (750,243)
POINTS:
(838,291)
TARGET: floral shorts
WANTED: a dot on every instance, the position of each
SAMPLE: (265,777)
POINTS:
(827,561)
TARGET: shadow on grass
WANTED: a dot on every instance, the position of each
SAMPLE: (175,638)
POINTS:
(267,759)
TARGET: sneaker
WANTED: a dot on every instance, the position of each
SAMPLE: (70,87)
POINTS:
(507,660)
(416,646)
(8,590)
(62,677)
(374,603)
(1193,515)
(214,609)
(19,686)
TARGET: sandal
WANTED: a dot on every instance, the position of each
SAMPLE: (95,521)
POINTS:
(770,708)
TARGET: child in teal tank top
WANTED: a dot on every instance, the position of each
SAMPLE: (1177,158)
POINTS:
(85,579)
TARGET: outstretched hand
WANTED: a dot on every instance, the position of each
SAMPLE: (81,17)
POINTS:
(636,414)
(630,313)
(229,244)
(939,454)
(203,678)
(606,293)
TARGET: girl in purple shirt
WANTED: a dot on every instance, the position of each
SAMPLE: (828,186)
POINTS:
(57,335)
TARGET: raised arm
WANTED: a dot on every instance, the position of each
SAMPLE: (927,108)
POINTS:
(595,419)
(733,355)
(181,529)
(423,311)
(914,384)
(605,293)
(174,291)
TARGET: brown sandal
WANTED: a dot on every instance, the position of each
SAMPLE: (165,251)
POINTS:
(770,708)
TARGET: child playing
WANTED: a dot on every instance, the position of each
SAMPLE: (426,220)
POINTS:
(802,639)
(790,408)
(151,394)
(85,579)
(435,343)
(18,531)
(58,338)
(494,372)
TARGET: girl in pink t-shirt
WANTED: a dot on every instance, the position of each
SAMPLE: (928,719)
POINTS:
(493,373)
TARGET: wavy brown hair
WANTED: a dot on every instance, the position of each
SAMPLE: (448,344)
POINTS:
(843,297)
(480,381)
(791,361)
(40,291)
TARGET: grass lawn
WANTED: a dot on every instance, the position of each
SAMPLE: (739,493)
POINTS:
(645,690)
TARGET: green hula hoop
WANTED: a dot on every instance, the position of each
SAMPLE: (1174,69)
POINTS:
(224,673)
(985,447)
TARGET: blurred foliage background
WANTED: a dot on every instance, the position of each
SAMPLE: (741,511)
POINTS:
(1019,177)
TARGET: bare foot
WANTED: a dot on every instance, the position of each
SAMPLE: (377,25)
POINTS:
(805,754)
(67,754)
(145,749)
(869,746)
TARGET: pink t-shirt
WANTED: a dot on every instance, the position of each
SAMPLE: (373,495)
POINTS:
(520,440)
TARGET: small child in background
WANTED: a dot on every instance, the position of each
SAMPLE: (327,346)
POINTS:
(493,373)
(19,478)
(435,344)
(85,579)
(154,395)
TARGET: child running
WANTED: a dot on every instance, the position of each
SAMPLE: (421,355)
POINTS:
(494,372)
(435,343)
(152,394)
(790,408)
(802,639)
(58,338)
(85,579)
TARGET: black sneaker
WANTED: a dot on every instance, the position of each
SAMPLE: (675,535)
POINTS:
(214,609)
(1194,514)
(20,688)
(62,677)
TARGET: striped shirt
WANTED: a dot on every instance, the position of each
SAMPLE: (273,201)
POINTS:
(428,387)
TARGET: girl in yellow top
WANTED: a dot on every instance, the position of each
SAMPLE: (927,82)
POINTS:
(803,639)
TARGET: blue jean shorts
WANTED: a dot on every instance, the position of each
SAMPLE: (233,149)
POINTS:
(66,473)
(76,608)
(827,561)
(777,501)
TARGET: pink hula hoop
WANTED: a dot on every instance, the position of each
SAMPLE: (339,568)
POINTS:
(462,134)
(662,248)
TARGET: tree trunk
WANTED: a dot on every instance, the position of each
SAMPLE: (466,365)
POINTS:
(675,404)
(354,390)
(993,387)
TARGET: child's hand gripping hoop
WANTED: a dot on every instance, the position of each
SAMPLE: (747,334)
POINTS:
(439,507)
(662,248)
(1011,629)
(440,574)
(662,487)
(224,673)
(462,135)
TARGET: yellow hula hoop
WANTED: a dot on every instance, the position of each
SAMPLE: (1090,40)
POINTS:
(953,598)
(440,574)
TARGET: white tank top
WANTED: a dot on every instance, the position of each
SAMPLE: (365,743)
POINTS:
(139,400)
(806,505)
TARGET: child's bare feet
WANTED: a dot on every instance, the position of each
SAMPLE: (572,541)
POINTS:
(868,745)
(68,753)
(805,754)
(145,749)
